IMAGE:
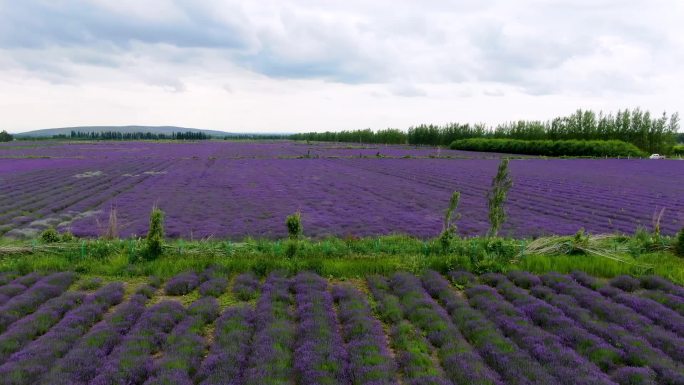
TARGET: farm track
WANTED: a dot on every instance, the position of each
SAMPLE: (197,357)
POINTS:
(304,329)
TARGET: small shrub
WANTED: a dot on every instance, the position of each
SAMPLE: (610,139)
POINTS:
(679,243)
(246,287)
(155,235)
(182,284)
(294,225)
(213,287)
(50,235)
(68,236)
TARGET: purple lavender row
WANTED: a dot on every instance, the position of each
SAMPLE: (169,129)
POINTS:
(659,283)
(246,287)
(126,364)
(29,364)
(17,286)
(370,361)
(26,329)
(321,356)
(563,363)
(638,351)
(610,311)
(555,322)
(656,312)
(461,363)
(85,359)
(184,348)
(6,277)
(515,366)
(271,359)
(27,302)
(672,301)
(227,359)
(182,283)
(12,287)
(413,352)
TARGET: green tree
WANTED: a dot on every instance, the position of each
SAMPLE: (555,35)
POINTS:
(6,137)
(496,198)
(294,225)
(449,228)
(155,235)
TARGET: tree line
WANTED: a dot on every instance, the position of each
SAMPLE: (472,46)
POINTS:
(115,135)
(647,132)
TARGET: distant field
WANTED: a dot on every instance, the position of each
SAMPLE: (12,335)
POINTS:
(239,189)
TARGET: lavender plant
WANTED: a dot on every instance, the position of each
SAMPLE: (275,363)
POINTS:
(513,364)
(84,361)
(370,361)
(129,361)
(182,284)
(638,351)
(246,287)
(461,363)
(563,363)
(28,365)
(26,329)
(184,347)
(321,356)
(227,359)
(271,359)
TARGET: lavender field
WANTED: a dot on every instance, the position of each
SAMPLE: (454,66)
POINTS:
(238,189)
(207,329)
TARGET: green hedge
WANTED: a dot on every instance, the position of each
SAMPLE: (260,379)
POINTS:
(678,150)
(612,148)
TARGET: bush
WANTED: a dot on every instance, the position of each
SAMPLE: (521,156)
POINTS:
(182,284)
(50,235)
(611,148)
(213,287)
(679,243)
(246,287)
(678,150)
(155,235)
(294,225)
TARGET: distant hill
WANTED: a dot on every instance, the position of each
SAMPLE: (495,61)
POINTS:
(167,130)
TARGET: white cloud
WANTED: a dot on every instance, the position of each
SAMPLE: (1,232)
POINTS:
(323,65)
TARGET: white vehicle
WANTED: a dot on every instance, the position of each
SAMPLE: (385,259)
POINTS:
(656,156)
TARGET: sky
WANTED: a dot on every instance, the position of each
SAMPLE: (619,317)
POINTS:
(316,65)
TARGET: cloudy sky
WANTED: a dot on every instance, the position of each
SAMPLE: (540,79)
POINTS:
(305,65)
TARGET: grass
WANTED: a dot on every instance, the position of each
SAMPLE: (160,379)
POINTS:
(603,256)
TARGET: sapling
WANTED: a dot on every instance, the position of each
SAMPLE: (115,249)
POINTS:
(449,228)
(679,245)
(294,231)
(155,235)
(294,225)
(496,198)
